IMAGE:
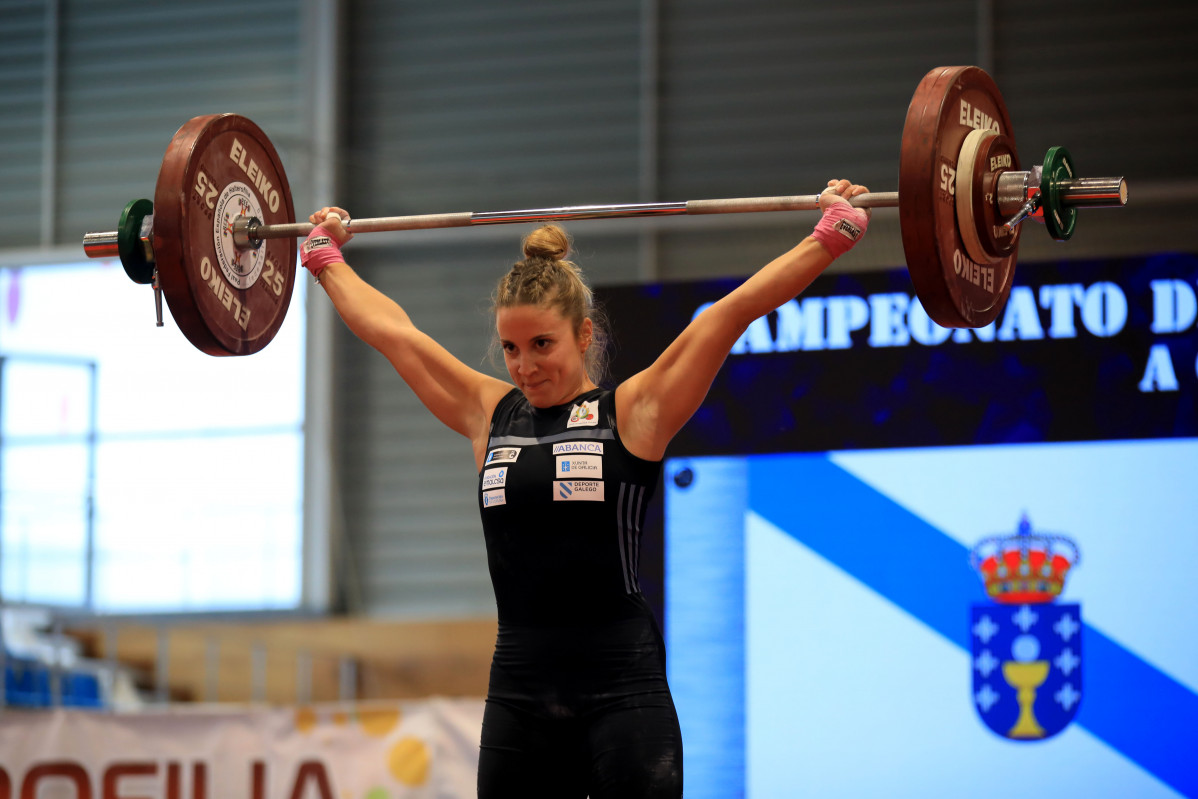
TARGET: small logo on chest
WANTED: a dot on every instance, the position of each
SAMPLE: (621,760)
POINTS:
(493,487)
(502,455)
(580,467)
(577,490)
(584,414)
(494,478)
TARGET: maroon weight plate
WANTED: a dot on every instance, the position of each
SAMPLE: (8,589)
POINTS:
(996,156)
(984,156)
(955,290)
(226,301)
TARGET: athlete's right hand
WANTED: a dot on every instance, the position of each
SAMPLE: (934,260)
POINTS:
(333,220)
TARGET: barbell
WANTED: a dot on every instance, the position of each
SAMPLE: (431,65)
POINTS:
(219,239)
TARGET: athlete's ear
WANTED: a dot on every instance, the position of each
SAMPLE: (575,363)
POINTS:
(585,331)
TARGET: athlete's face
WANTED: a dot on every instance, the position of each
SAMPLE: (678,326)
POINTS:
(543,355)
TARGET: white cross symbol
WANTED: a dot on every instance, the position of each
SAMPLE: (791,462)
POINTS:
(986,698)
(1025,618)
(986,663)
(985,629)
(1067,696)
(1066,627)
(1067,661)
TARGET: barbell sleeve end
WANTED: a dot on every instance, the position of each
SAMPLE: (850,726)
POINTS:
(101,244)
(245,233)
(1094,192)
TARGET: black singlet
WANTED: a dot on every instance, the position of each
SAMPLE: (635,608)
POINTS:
(562,504)
(578,701)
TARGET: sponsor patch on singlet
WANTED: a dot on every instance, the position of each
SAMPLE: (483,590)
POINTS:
(575,490)
(580,467)
(502,455)
(584,414)
(493,498)
(578,448)
(495,478)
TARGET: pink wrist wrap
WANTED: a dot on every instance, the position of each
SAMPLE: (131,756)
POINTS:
(319,250)
(840,228)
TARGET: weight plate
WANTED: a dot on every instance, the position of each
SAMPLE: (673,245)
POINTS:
(225,300)
(1059,219)
(967,223)
(128,242)
(994,156)
(955,289)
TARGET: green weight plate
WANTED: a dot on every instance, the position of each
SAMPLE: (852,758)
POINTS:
(1058,167)
(128,242)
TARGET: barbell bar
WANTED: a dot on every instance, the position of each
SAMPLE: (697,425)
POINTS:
(250,232)
(219,239)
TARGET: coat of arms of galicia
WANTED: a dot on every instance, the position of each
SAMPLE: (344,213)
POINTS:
(1027,648)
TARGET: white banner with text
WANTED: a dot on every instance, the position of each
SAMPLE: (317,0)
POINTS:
(394,750)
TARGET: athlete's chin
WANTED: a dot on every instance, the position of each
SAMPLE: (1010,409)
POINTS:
(540,395)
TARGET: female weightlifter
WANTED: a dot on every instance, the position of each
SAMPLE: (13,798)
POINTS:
(578,703)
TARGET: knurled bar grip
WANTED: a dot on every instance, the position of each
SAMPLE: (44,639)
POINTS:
(743,205)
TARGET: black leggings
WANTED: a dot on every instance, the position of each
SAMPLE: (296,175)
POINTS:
(626,748)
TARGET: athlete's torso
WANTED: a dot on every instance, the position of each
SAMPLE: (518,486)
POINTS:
(562,504)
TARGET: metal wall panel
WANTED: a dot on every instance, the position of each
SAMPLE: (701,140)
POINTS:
(485,106)
(768,97)
(1115,82)
(22,118)
(128,75)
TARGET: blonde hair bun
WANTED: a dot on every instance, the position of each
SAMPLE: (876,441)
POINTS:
(550,242)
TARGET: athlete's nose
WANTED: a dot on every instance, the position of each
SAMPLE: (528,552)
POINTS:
(525,365)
